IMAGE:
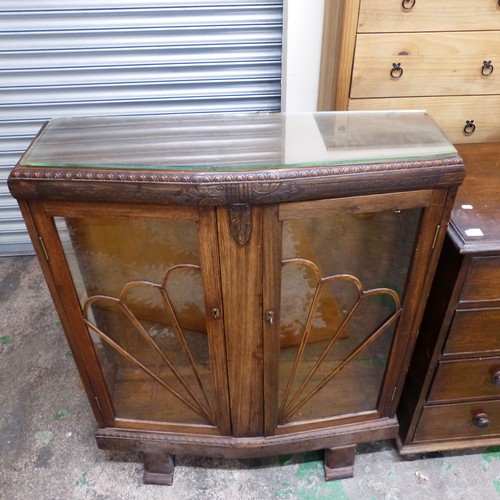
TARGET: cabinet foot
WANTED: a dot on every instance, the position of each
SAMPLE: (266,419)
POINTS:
(339,462)
(158,468)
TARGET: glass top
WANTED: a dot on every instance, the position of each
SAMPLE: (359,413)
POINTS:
(212,142)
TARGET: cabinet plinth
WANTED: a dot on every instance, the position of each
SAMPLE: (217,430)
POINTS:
(240,285)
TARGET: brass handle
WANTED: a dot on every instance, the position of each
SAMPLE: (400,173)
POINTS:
(409,4)
(496,378)
(481,420)
(397,70)
(487,68)
(469,127)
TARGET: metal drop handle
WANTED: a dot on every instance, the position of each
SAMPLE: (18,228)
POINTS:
(469,128)
(496,378)
(397,70)
(487,67)
(409,4)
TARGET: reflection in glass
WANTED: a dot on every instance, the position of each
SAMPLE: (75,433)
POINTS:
(140,287)
(343,283)
(232,141)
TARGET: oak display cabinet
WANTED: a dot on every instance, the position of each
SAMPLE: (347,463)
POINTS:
(240,285)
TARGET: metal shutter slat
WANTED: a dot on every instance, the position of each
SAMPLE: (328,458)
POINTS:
(140,74)
(175,37)
(138,56)
(40,20)
(49,5)
(141,107)
(180,90)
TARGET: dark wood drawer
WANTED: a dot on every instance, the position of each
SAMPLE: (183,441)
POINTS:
(474,331)
(457,421)
(483,280)
(470,379)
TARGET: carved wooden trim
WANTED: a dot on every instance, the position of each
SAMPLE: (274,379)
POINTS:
(240,220)
(233,188)
(248,447)
(260,176)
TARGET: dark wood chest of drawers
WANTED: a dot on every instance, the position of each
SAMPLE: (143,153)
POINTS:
(452,394)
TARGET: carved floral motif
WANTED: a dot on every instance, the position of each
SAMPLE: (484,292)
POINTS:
(240,219)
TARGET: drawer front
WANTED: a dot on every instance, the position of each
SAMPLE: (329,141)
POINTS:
(451,114)
(474,331)
(483,280)
(428,15)
(432,64)
(458,421)
(472,379)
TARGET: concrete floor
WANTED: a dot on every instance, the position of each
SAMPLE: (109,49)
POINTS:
(47,448)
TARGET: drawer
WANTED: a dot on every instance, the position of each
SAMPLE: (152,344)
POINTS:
(474,331)
(483,280)
(451,113)
(431,15)
(458,421)
(471,379)
(432,64)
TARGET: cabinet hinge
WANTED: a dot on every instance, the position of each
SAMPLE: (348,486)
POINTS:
(394,393)
(438,227)
(42,244)
(97,402)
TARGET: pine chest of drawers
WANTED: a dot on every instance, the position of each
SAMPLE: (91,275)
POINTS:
(452,395)
(416,54)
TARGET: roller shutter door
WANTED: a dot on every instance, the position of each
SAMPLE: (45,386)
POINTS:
(128,57)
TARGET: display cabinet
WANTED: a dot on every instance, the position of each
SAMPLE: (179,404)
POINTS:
(240,285)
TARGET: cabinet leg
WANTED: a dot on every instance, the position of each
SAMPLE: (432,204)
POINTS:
(339,462)
(158,468)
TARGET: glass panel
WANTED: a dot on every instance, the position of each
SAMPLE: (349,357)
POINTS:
(343,282)
(139,284)
(238,141)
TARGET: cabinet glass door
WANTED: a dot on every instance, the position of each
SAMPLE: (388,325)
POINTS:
(344,274)
(141,287)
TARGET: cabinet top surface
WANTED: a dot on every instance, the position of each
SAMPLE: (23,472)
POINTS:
(229,142)
(475,220)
